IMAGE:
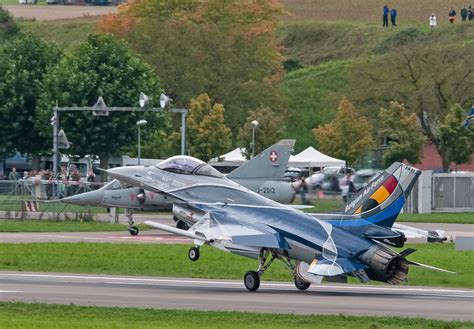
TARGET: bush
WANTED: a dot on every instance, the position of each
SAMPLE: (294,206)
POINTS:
(8,27)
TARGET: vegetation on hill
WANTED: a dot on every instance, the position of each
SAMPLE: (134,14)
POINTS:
(329,49)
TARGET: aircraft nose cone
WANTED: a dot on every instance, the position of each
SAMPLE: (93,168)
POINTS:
(132,175)
(93,198)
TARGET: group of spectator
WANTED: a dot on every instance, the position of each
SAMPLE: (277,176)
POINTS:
(467,14)
(389,12)
(66,183)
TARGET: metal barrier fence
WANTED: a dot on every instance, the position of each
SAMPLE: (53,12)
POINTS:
(37,189)
(453,192)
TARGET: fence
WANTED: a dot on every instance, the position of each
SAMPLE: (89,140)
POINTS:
(453,192)
(37,189)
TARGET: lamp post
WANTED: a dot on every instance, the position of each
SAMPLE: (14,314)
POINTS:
(254,124)
(139,124)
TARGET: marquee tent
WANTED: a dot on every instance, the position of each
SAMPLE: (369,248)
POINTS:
(313,158)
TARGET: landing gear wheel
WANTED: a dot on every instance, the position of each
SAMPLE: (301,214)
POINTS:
(252,280)
(182,225)
(301,285)
(133,230)
(193,254)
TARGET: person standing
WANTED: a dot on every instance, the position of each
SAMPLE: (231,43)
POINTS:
(452,15)
(13,176)
(463,14)
(393,16)
(385,16)
(433,21)
(470,13)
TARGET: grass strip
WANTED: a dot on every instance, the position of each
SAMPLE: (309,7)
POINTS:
(447,218)
(171,260)
(20,315)
(62,226)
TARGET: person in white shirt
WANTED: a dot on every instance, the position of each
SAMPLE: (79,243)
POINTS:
(433,21)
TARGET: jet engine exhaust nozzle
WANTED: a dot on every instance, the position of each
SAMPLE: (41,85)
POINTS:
(385,265)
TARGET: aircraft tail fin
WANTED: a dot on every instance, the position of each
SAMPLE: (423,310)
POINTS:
(382,199)
(271,163)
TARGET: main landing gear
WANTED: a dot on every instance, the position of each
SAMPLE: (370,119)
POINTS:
(131,228)
(252,278)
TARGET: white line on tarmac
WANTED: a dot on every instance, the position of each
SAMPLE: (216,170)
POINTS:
(128,280)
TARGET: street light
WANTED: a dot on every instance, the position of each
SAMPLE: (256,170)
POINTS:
(165,102)
(254,124)
(139,124)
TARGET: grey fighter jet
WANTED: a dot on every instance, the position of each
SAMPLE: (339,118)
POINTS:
(262,174)
(232,218)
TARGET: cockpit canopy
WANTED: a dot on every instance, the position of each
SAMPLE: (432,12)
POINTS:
(183,164)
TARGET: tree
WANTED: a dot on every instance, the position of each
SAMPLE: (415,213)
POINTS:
(8,27)
(456,141)
(225,48)
(403,132)
(348,137)
(102,66)
(269,130)
(207,132)
(429,81)
(23,65)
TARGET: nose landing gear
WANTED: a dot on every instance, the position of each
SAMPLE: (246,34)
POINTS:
(193,254)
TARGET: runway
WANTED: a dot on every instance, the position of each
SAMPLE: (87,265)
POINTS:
(156,236)
(229,295)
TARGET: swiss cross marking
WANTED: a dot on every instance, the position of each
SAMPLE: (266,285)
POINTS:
(273,156)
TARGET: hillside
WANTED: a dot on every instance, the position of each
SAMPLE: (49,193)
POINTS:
(336,48)
(370,11)
(339,59)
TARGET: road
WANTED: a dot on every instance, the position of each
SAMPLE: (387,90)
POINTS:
(48,13)
(229,295)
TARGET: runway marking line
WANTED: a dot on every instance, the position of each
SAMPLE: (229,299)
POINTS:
(235,283)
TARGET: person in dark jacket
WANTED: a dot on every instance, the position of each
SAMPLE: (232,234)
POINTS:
(385,15)
(452,15)
(463,14)
(393,16)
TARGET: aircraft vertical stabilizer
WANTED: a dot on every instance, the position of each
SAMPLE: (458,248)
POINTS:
(384,196)
(271,163)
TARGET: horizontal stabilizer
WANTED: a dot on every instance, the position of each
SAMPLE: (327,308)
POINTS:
(429,267)
(413,232)
(378,232)
(324,267)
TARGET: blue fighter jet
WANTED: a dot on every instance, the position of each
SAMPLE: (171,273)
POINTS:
(232,218)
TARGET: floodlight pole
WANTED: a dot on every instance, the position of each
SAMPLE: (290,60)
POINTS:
(183,131)
(55,140)
(105,109)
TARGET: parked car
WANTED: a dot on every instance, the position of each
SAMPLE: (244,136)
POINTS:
(363,177)
(318,179)
(294,174)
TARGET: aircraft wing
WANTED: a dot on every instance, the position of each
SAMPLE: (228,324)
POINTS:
(215,226)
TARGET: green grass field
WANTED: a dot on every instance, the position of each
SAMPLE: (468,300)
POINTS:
(61,226)
(171,260)
(19,315)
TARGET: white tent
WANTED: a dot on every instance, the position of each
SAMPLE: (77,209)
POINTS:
(233,158)
(313,158)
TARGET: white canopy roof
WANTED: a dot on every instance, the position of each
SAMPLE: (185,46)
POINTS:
(233,157)
(313,158)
